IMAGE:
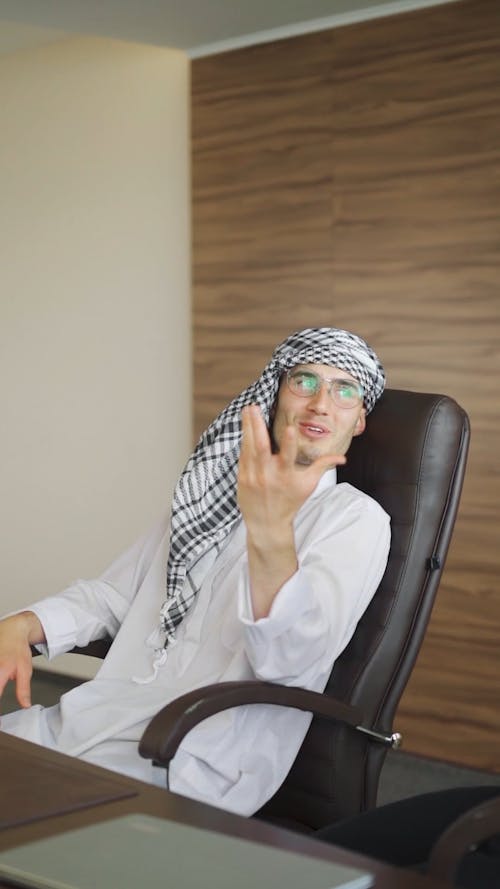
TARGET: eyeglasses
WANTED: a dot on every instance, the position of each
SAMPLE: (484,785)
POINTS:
(307,383)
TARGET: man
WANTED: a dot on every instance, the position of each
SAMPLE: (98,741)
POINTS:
(270,565)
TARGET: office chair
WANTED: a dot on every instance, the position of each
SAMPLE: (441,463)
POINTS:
(411,459)
(460,855)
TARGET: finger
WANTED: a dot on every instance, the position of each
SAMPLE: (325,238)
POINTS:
(247,442)
(246,428)
(260,432)
(4,678)
(256,441)
(289,446)
(23,685)
(247,458)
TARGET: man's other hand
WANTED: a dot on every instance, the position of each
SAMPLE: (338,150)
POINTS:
(17,633)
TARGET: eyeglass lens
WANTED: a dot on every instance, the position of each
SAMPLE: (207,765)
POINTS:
(307,383)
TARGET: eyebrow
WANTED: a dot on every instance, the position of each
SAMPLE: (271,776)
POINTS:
(304,369)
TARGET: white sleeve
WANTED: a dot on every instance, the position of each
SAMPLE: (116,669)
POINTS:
(91,609)
(316,611)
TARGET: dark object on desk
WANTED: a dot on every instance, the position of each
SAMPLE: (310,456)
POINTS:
(468,852)
(411,459)
(440,834)
(32,787)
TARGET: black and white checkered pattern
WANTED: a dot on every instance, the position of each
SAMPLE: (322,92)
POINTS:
(204,507)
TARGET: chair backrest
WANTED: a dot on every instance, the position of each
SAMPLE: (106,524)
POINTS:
(411,459)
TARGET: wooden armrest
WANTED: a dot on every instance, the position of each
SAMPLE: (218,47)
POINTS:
(168,728)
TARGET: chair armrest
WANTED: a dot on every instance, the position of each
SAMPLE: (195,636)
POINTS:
(98,648)
(469,830)
(167,729)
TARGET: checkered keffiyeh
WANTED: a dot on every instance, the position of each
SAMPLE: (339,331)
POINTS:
(204,507)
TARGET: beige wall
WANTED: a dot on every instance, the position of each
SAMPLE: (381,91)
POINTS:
(94,304)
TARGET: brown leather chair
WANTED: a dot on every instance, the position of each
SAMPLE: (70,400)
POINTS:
(411,459)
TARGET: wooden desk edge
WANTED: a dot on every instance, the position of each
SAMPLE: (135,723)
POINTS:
(164,804)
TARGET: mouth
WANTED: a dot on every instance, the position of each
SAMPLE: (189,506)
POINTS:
(313,430)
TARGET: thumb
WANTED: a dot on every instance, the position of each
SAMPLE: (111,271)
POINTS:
(328,461)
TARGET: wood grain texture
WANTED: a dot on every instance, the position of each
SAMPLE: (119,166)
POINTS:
(352,178)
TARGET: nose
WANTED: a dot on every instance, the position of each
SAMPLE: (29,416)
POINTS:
(320,402)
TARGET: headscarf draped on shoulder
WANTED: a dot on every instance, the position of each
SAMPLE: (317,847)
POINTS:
(204,507)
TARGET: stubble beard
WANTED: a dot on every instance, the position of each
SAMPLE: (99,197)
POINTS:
(305,458)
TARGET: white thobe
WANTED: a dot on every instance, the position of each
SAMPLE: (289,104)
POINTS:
(236,759)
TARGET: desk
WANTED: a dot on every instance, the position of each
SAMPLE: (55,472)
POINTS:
(137,796)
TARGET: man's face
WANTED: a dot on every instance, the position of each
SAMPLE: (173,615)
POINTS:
(322,426)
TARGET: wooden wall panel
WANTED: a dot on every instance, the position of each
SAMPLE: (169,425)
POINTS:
(352,177)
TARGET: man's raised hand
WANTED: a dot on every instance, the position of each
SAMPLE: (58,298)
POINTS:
(271,490)
(272,487)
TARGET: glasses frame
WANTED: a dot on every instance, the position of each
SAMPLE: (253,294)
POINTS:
(329,382)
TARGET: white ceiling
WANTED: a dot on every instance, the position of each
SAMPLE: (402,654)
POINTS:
(199,27)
